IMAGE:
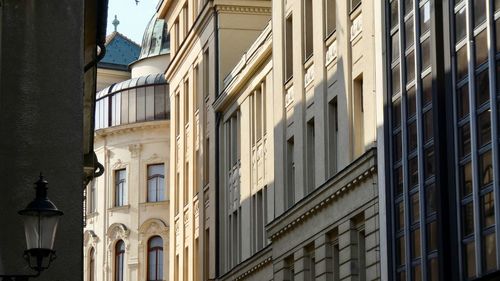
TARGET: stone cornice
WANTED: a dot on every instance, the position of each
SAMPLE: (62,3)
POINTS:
(249,266)
(354,174)
(243,9)
(129,128)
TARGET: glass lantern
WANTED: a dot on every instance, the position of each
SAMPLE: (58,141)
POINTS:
(41,217)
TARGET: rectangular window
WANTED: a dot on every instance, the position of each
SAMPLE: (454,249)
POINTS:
(177,192)
(186,184)
(310,156)
(186,101)
(196,88)
(358,116)
(206,165)
(206,73)
(361,254)
(196,262)
(288,48)
(333,255)
(289,269)
(185,20)
(355,4)
(259,221)
(308,29)
(120,199)
(177,35)
(156,183)
(333,131)
(290,174)
(310,263)
(186,264)
(177,116)
(330,17)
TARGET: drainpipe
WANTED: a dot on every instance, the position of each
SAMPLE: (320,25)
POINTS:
(217,145)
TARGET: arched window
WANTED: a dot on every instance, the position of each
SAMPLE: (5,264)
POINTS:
(155,259)
(92,265)
(119,260)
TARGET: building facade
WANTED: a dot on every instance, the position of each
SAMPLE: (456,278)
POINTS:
(126,236)
(207,39)
(275,127)
(298,148)
(442,71)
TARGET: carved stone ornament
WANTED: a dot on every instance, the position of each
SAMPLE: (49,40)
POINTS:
(135,150)
(90,239)
(153,227)
(119,165)
(117,231)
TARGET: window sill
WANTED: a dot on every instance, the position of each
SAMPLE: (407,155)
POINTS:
(355,12)
(119,208)
(153,204)
(331,38)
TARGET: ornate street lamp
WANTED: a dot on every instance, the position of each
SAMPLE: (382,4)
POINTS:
(41,217)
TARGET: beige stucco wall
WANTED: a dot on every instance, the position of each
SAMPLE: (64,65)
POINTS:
(108,77)
(131,147)
(146,66)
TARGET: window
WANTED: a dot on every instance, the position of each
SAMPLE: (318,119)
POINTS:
(310,262)
(119,260)
(186,101)
(156,183)
(358,116)
(206,73)
(308,29)
(333,255)
(155,259)
(177,116)
(355,4)
(288,48)
(92,276)
(186,183)
(259,113)
(310,155)
(333,131)
(120,191)
(290,172)
(361,241)
(259,216)
(289,269)
(330,17)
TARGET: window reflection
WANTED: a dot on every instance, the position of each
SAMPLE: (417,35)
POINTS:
(415,241)
(460,25)
(479,12)
(481,47)
(464,140)
(409,33)
(482,88)
(489,249)
(488,210)
(463,101)
(425,17)
(485,169)
(468,219)
(466,179)
(470,259)
(462,66)
(412,102)
(484,128)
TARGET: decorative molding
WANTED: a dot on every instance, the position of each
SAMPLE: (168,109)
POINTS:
(153,227)
(153,158)
(356,27)
(135,150)
(243,9)
(129,128)
(309,76)
(331,53)
(119,165)
(289,96)
(253,269)
(324,203)
(117,231)
(90,239)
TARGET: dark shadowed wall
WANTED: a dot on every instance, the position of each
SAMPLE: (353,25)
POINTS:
(41,88)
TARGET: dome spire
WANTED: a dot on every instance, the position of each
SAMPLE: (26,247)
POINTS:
(116,22)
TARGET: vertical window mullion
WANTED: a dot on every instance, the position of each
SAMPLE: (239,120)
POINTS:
(420,142)
(404,163)
(473,137)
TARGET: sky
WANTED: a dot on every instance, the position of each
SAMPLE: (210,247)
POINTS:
(133,18)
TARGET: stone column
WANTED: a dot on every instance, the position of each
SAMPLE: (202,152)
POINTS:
(372,243)
(323,256)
